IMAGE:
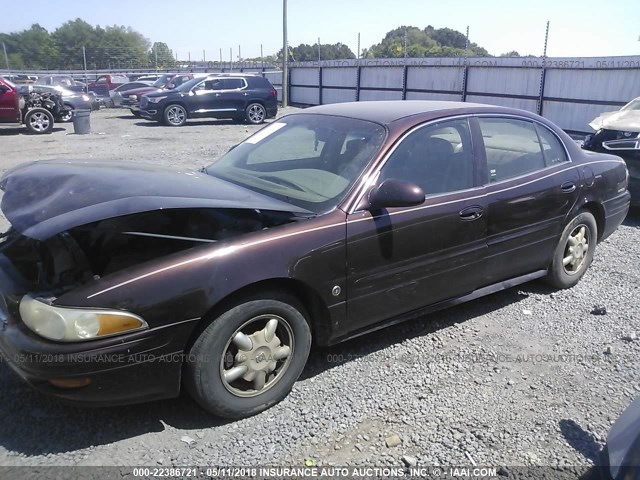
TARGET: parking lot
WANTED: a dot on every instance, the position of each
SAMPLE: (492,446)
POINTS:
(528,376)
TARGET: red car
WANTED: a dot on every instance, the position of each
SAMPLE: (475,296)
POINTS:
(35,112)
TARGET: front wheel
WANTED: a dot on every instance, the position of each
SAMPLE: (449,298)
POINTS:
(574,252)
(175,115)
(248,358)
(39,120)
(255,113)
(68,116)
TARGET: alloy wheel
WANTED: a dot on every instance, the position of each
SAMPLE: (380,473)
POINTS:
(576,249)
(257,355)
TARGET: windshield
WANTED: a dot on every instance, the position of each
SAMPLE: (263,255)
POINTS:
(159,83)
(11,84)
(308,160)
(632,105)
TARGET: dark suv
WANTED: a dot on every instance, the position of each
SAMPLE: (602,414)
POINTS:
(241,97)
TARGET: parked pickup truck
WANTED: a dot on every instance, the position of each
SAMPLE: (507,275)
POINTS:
(105,83)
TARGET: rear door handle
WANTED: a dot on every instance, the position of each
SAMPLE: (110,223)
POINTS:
(568,187)
(471,213)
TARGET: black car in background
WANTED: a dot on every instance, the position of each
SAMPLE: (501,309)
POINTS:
(240,97)
(618,133)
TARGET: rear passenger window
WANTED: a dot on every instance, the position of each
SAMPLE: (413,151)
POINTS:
(553,151)
(512,148)
(232,83)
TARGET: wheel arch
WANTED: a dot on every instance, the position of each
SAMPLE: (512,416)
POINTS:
(316,309)
(597,210)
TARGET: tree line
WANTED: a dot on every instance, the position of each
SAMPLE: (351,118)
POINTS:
(110,47)
(123,47)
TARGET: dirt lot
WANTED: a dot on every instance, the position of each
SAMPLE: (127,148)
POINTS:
(524,377)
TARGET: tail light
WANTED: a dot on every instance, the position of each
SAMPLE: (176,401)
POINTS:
(274,93)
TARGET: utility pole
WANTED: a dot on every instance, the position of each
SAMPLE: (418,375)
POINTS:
(285,57)
(261,56)
(204,57)
(405,45)
(6,57)
(358,44)
(231,58)
(84,58)
(221,59)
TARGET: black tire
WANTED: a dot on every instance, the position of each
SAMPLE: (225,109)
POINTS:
(175,115)
(212,354)
(566,276)
(38,121)
(65,118)
(255,113)
(135,114)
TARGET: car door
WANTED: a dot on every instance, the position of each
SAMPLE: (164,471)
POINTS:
(531,187)
(234,94)
(205,98)
(402,259)
(9,111)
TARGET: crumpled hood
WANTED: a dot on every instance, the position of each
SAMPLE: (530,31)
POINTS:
(625,120)
(47,197)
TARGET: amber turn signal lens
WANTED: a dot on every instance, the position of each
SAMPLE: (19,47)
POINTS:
(111,323)
(70,382)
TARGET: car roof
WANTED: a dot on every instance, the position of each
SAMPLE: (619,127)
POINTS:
(391,110)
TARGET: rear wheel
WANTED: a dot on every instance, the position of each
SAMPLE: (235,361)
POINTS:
(249,357)
(574,252)
(39,120)
(255,113)
(175,115)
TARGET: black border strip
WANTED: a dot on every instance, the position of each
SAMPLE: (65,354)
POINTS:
(503,95)
(585,101)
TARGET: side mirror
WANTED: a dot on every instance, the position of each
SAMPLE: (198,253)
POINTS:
(395,193)
(171,86)
(4,88)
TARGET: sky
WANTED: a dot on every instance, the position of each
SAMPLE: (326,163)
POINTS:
(577,28)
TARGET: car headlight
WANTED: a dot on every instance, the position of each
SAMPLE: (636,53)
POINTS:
(156,99)
(67,324)
(133,98)
(86,98)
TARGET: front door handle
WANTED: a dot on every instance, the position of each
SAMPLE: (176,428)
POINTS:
(471,213)
(568,187)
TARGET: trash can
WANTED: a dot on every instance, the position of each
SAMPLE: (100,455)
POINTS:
(82,121)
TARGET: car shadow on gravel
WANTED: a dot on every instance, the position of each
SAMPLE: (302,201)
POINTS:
(633,217)
(322,359)
(190,123)
(581,440)
(9,132)
(34,424)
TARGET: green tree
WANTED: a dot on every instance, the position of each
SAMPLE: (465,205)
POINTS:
(309,53)
(427,42)
(161,56)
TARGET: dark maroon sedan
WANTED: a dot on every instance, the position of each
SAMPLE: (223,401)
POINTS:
(121,282)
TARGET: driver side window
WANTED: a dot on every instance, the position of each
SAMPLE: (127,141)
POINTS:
(438,158)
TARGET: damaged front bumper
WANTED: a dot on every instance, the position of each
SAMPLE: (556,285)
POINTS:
(126,369)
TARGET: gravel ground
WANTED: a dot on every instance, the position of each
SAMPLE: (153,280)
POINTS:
(528,376)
